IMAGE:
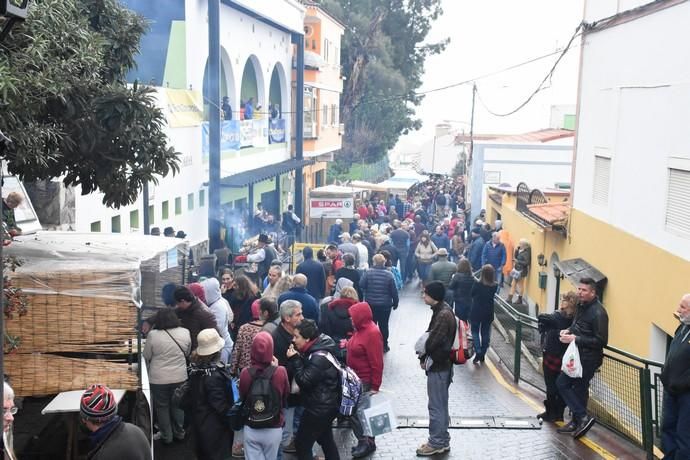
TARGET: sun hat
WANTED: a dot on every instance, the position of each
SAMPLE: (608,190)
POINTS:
(209,342)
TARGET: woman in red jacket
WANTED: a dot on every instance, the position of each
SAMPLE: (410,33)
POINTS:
(365,357)
(263,443)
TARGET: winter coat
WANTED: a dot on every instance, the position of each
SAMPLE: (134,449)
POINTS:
(334,233)
(196,318)
(482,303)
(461,284)
(494,255)
(441,241)
(387,246)
(310,308)
(351,274)
(400,239)
(442,330)
(551,325)
(165,360)
(350,248)
(335,320)
(261,355)
(425,253)
(316,277)
(123,440)
(591,326)
(522,260)
(378,286)
(474,253)
(675,374)
(210,404)
(317,378)
(243,345)
(221,311)
(442,271)
(242,310)
(365,348)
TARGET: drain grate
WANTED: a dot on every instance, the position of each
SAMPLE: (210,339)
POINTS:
(458,423)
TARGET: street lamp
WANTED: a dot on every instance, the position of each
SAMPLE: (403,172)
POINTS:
(14,11)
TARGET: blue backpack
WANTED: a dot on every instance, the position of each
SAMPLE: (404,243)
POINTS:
(397,277)
(351,386)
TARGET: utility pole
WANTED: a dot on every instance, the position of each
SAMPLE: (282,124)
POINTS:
(213,122)
(474,97)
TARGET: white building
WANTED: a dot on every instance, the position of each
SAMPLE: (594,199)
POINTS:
(256,61)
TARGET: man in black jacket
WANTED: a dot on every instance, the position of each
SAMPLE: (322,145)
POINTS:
(675,427)
(590,332)
(435,360)
(316,276)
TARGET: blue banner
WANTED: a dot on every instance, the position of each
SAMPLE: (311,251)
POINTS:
(276,130)
(229,136)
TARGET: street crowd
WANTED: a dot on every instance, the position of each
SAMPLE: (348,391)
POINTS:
(258,369)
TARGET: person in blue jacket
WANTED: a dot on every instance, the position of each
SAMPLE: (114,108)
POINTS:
(494,253)
(474,252)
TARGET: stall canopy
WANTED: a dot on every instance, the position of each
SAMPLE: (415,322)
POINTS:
(362,185)
(403,180)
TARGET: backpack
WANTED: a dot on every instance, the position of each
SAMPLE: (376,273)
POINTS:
(351,386)
(397,277)
(463,346)
(262,403)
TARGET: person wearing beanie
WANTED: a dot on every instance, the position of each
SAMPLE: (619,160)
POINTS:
(264,442)
(435,360)
(111,437)
(211,400)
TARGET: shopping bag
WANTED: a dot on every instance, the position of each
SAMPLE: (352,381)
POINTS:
(379,418)
(572,366)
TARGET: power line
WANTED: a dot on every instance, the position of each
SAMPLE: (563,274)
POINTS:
(540,87)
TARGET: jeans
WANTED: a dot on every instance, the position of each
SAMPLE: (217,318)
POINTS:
(411,264)
(423,271)
(262,444)
(363,403)
(575,392)
(316,429)
(481,335)
(402,258)
(437,384)
(170,417)
(675,426)
(381,317)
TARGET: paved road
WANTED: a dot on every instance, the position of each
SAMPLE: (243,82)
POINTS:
(476,391)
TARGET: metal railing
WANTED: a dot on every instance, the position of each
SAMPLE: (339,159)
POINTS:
(625,394)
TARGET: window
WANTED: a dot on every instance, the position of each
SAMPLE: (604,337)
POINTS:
(202,198)
(115,224)
(152,214)
(178,206)
(334,115)
(96,226)
(190,202)
(602,177)
(677,204)
(324,119)
(134,220)
(311,110)
(325,50)
(165,210)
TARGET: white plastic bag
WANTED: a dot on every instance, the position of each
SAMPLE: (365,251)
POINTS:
(379,417)
(572,366)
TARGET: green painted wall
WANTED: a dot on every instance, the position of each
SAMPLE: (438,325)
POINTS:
(229,195)
(249,88)
(175,74)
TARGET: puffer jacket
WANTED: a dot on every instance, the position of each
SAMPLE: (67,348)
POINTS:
(591,326)
(166,360)
(378,287)
(318,379)
(461,285)
(443,270)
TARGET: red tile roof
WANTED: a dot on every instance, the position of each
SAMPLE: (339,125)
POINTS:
(551,213)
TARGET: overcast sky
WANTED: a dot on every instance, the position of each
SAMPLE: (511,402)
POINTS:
(490,35)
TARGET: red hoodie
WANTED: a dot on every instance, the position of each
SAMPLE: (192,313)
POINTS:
(261,355)
(365,348)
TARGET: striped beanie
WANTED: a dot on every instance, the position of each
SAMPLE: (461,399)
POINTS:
(97,403)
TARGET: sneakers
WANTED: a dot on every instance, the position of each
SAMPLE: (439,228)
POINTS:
(290,447)
(237,451)
(425,450)
(569,428)
(583,427)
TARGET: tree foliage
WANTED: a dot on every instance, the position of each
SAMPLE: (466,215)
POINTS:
(383,54)
(67,107)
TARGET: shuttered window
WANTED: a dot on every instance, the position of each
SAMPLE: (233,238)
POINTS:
(678,201)
(602,177)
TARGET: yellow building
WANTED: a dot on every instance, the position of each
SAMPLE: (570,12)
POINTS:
(323,86)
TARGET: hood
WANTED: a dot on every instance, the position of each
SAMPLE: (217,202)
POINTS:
(198,290)
(341,306)
(262,349)
(361,315)
(322,343)
(211,290)
(340,284)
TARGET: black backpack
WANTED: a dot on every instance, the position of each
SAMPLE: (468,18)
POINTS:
(262,403)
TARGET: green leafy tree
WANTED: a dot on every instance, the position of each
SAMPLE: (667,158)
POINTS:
(383,54)
(66,104)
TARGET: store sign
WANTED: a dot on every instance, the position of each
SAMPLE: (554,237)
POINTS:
(331,207)
(184,108)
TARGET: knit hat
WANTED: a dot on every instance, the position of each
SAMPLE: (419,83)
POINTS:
(97,403)
(435,290)
(209,342)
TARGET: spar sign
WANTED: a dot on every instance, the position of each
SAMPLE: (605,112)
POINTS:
(331,207)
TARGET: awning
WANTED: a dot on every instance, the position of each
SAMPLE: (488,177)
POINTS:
(576,269)
(266,172)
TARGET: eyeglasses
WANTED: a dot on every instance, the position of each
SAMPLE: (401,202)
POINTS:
(12,410)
